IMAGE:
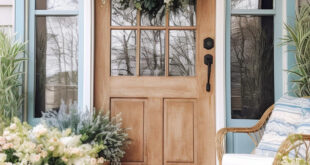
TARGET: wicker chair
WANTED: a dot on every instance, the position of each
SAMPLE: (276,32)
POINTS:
(256,133)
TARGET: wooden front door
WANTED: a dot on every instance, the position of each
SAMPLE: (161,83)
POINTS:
(151,70)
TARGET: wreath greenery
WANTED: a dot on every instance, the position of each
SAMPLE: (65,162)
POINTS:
(153,7)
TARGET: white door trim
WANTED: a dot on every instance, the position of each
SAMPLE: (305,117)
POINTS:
(220,97)
(88,60)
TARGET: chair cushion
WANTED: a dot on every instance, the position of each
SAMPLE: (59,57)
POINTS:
(284,120)
(246,159)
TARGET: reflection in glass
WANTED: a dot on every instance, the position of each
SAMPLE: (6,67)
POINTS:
(57,4)
(252,66)
(185,16)
(252,4)
(182,52)
(121,16)
(123,52)
(157,20)
(152,58)
(56,62)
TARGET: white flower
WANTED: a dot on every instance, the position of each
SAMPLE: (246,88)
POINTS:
(64,159)
(167,1)
(2,158)
(39,130)
(2,140)
(7,146)
(43,154)
(70,141)
(93,161)
(13,126)
(35,158)
(6,133)
(51,148)
(101,160)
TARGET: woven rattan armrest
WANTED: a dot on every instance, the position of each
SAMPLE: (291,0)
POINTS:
(255,133)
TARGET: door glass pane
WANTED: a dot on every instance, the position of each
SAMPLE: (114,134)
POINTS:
(123,52)
(57,4)
(182,52)
(152,53)
(56,62)
(185,16)
(252,4)
(159,19)
(121,15)
(252,66)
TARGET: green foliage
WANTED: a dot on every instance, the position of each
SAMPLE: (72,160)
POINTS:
(63,120)
(108,133)
(54,161)
(11,63)
(299,37)
(109,137)
(10,156)
(153,7)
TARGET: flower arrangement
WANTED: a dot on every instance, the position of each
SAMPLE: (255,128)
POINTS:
(94,128)
(21,144)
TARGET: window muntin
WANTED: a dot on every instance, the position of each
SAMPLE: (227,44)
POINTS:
(164,45)
(252,4)
(57,5)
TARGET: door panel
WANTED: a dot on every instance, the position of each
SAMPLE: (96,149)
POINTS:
(161,95)
(180,131)
(132,111)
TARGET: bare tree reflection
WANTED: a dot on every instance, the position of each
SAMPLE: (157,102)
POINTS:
(152,58)
(252,79)
(56,62)
(182,53)
(123,52)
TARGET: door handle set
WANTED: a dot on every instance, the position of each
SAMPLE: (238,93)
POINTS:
(208,59)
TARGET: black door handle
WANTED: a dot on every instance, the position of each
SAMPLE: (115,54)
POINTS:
(208,60)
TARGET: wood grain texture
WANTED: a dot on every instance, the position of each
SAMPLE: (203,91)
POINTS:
(180,131)
(132,111)
(134,96)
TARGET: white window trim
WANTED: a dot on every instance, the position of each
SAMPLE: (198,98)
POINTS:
(88,70)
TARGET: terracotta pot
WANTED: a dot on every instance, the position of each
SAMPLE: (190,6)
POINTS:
(106,163)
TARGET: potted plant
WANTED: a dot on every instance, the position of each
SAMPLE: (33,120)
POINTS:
(298,36)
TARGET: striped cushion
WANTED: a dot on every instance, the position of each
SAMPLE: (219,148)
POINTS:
(284,120)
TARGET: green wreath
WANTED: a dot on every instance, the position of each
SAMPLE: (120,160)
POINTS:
(153,7)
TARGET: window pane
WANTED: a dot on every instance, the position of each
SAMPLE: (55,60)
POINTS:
(185,16)
(152,58)
(121,16)
(158,20)
(56,62)
(252,66)
(182,52)
(123,52)
(57,4)
(252,4)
